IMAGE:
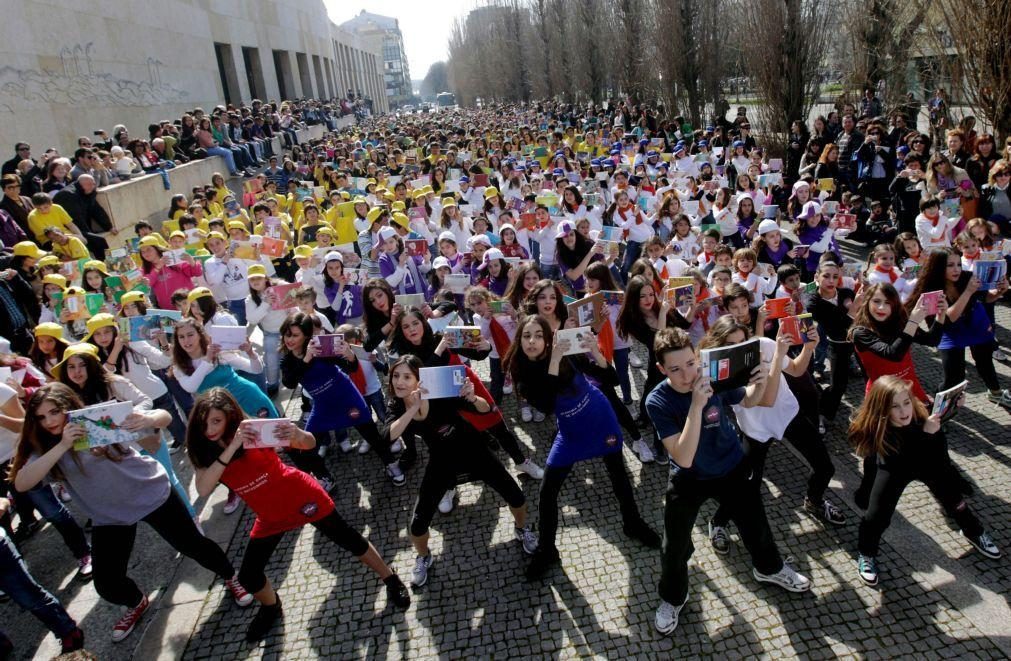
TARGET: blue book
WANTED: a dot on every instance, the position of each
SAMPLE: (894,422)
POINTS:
(442,382)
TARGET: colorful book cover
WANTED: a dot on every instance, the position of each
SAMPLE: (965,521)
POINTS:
(910,272)
(273,248)
(930,300)
(614,298)
(610,249)
(442,382)
(680,297)
(284,296)
(75,305)
(266,433)
(826,184)
(846,221)
(587,311)
(417,213)
(463,336)
(946,401)
(769,211)
(330,345)
(244,250)
(610,233)
(575,337)
(229,338)
(356,277)
(796,327)
(528,221)
(416,247)
(730,367)
(680,281)
(776,164)
(776,307)
(829,207)
(989,273)
(103,424)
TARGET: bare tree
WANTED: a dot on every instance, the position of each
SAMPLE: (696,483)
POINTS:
(693,35)
(879,42)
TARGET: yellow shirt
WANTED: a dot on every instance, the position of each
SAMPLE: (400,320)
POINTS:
(56,217)
(74,249)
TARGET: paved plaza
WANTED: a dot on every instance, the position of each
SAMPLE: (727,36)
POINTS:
(937,597)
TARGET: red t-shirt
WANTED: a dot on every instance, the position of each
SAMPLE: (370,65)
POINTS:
(283,497)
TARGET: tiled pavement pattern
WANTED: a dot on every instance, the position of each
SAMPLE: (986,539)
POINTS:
(932,601)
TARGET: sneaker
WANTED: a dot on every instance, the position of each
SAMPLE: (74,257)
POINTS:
(363,447)
(507,386)
(242,598)
(347,445)
(666,620)
(822,424)
(541,561)
(634,360)
(999,355)
(62,493)
(326,483)
(408,458)
(719,538)
(175,448)
(396,592)
(867,568)
(528,539)
(84,569)
(26,529)
(72,642)
(786,578)
(395,474)
(397,447)
(1000,397)
(526,415)
(448,501)
(984,544)
(825,511)
(232,503)
(531,469)
(538,416)
(641,531)
(322,450)
(419,576)
(263,621)
(125,626)
(643,451)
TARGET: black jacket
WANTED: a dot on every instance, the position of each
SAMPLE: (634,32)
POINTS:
(85,210)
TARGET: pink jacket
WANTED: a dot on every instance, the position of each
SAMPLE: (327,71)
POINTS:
(163,283)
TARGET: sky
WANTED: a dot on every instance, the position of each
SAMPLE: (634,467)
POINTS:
(425,25)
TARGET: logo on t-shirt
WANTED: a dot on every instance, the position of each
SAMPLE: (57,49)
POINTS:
(712,414)
(309,509)
(354,413)
(611,440)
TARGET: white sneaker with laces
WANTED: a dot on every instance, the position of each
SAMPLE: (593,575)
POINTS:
(526,415)
(528,539)
(985,545)
(538,416)
(531,469)
(666,620)
(634,360)
(999,355)
(448,501)
(786,578)
(347,445)
(63,494)
(643,451)
(419,576)
(397,447)
(363,447)
(396,474)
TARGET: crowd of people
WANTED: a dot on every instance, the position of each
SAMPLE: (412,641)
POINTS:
(581,251)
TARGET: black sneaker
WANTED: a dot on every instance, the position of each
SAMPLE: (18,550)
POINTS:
(263,621)
(825,511)
(541,562)
(26,529)
(396,592)
(719,538)
(72,642)
(641,531)
(408,458)
(984,544)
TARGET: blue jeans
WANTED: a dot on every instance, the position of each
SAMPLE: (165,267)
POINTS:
(378,404)
(28,594)
(621,367)
(238,310)
(272,358)
(497,379)
(550,272)
(43,499)
(177,427)
(179,394)
(227,155)
(163,458)
(633,249)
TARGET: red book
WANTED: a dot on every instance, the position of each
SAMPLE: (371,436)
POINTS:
(416,247)
(776,307)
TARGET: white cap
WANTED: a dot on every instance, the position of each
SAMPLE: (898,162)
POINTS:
(810,209)
(489,255)
(386,233)
(334,256)
(447,236)
(768,225)
(441,261)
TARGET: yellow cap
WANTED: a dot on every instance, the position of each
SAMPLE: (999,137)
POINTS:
(100,320)
(80,349)
(490,192)
(428,190)
(216,235)
(48,260)
(50,329)
(345,195)
(402,220)
(133,297)
(199,292)
(389,196)
(360,200)
(151,240)
(28,249)
(236,225)
(418,194)
(448,202)
(326,229)
(374,214)
(370,182)
(97,265)
(181,234)
(256,271)
(303,252)
(398,206)
(55,279)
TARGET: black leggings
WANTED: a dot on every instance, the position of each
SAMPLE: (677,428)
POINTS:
(441,475)
(953,362)
(839,359)
(260,549)
(625,418)
(309,461)
(111,547)
(554,478)
(507,439)
(888,487)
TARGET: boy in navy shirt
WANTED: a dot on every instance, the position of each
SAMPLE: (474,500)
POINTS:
(706,461)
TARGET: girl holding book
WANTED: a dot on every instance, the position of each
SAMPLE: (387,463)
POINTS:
(450,440)
(814,231)
(770,247)
(908,251)
(893,426)
(343,300)
(575,252)
(222,448)
(403,272)
(587,426)
(117,487)
(512,241)
(496,275)
(965,322)
(48,347)
(883,258)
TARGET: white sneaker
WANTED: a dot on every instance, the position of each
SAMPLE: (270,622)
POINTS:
(232,503)
(538,416)
(636,362)
(531,469)
(448,502)
(396,474)
(666,620)
(397,447)
(643,451)
(999,355)
(363,447)
(421,566)
(326,483)
(786,578)
(62,493)
(507,388)
(347,445)
(526,415)
(528,539)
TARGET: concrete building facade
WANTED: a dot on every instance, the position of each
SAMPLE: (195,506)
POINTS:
(383,33)
(69,68)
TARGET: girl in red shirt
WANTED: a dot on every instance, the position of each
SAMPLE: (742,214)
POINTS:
(283,498)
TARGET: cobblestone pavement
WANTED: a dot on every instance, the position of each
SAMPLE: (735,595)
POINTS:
(937,597)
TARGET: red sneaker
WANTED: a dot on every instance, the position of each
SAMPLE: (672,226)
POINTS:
(242,598)
(72,642)
(125,626)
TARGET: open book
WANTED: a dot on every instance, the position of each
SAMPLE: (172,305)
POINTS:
(103,422)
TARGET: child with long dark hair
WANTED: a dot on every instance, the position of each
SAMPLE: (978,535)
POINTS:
(587,425)
(893,426)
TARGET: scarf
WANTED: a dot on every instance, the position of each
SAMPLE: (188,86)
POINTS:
(892,275)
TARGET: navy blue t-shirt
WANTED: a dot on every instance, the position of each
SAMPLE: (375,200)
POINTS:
(719,449)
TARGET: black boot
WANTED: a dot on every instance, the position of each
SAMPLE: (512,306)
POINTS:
(396,592)
(542,561)
(264,621)
(639,530)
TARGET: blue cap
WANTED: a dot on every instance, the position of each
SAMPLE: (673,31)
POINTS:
(710,129)
(464,179)
(520,167)
(738,143)
(607,162)
(663,164)
(595,162)
(558,172)
(644,141)
(615,150)
(902,150)
(703,143)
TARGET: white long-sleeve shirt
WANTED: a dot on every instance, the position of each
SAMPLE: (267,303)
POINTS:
(201,368)
(935,236)
(264,316)
(138,371)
